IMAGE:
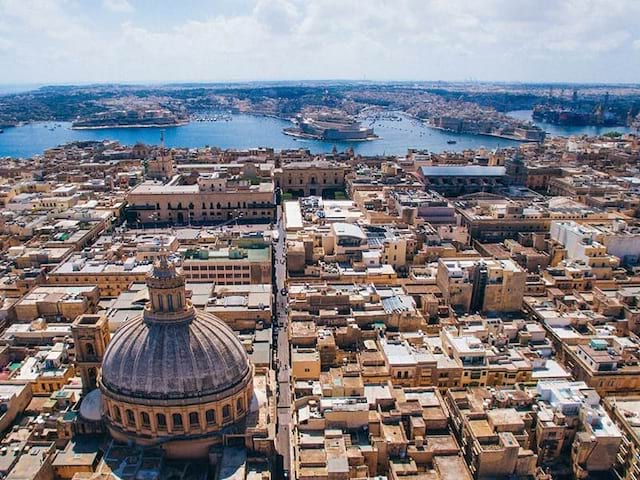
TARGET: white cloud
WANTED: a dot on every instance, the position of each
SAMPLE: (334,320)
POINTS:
(528,40)
(5,45)
(118,6)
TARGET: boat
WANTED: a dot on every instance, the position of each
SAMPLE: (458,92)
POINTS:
(451,142)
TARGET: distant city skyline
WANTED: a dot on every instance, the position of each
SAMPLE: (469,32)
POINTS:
(144,41)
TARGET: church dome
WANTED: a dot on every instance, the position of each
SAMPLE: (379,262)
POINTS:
(172,351)
(174,360)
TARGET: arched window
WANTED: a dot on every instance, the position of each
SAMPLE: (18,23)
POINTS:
(180,300)
(146,421)
(194,420)
(160,303)
(170,302)
(211,417)
(90,350)
(226,412)
(239,405)
(131,418)
(116,414)
(177,421)
(161,421)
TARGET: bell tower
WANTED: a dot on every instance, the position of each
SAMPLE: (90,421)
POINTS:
(91,337)
(161,167)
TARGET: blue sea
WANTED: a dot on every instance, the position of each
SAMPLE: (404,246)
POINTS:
(564,131)
(245,131)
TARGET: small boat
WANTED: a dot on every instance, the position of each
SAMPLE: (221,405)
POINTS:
(451,142)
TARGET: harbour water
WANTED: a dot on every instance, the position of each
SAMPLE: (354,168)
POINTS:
(565,131)
(397,133)
(243,131)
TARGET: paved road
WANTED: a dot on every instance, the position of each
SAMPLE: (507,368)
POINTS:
(283,438)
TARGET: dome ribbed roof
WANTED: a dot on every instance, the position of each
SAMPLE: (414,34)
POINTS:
(174,360)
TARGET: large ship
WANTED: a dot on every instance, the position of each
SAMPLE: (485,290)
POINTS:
(332,127)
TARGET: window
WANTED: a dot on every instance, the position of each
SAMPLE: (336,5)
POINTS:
(146,421)
(194,420)
(90,350)
(239,405)
(210,417)
(170,302)
(116,414)
(177,421)
(161,420)
(226,412)
(131,418)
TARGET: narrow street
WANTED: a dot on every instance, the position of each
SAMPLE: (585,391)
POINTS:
(285,414)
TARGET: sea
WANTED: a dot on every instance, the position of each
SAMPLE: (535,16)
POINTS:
(396,134)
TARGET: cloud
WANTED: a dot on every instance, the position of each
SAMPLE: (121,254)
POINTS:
(5,45)
(528,40)
(118,6)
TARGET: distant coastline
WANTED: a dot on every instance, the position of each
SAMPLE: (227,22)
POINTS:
(133,125)
(485,134)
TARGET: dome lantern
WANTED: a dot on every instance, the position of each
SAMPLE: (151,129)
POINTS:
(167,294)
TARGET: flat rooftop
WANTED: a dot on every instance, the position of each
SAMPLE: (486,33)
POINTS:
(463,171)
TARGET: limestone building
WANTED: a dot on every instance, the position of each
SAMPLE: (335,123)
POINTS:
(213,198)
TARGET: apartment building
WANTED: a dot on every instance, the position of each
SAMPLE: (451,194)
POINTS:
(111,277)
(481,284)
(227,265)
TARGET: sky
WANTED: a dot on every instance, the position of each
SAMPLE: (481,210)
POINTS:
(156,41)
